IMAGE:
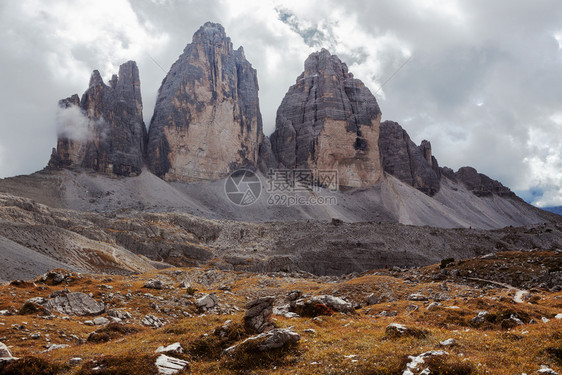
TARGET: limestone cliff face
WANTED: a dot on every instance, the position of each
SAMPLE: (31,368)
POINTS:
(329,120)
(104,131)
(207,120)
(414,165)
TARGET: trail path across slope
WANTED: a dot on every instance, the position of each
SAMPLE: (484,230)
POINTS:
(519,293)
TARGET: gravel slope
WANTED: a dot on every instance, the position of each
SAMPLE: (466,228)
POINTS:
(19,262)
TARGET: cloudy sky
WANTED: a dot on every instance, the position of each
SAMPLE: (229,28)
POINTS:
(480,79)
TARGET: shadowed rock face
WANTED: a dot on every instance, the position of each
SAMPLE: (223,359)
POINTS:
(103,131)
(414,165)
(207,121)
(480,184)
(329,120)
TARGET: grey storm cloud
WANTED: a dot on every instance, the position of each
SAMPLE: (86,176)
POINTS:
(481,80)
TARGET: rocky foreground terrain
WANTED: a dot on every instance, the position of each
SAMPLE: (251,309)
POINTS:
(477,316)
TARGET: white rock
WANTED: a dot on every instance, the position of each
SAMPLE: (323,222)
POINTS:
(173,348)
(75,361)
(448,342)
(55,347)
(169,365)
(417,297)
(101,321)
(416,361)
(546,370)
(545,320)
(434,306)
(558,316)
(5,353)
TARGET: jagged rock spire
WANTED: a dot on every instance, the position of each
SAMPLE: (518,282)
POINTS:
(207,120)
(103,131)
(329,120)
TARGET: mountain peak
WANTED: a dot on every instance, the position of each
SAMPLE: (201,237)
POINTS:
(207,120)
(329,121)
(211,33)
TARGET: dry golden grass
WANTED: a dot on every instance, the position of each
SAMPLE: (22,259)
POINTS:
(340,344)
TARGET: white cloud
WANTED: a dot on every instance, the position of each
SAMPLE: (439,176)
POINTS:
(73,124)
(85,35)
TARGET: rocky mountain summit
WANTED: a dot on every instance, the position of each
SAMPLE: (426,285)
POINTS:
(417,167)
(412,164)
(207,122)
(104,130)
(329,120)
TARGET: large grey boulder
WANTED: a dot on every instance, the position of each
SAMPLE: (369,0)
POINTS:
(78,304)
(274,339)
(207,302)
(258,316)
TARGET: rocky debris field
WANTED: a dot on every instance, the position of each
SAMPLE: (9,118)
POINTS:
(129,242)
(440,319)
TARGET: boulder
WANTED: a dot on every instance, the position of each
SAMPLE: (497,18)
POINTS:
(271,340)
(101,321)
(5,354)
(373,299)
(152,321)
(448,342)
(321,305)
(480,318)
(170,365)
(77,304)
(417,297)
(414,366)
(207,302)
(545,370)
(154,284)
(257,318)
(119,314)
(173,348)
(396,330)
